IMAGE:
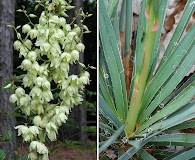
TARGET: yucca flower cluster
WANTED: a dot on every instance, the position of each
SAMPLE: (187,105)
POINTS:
(48,49)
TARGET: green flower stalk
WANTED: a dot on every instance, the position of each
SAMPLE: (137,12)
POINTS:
(48,49)
(151,15)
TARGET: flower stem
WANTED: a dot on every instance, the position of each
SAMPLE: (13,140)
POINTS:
(141,78)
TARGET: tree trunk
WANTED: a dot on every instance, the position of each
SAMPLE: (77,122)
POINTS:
(7,119)
(78,114)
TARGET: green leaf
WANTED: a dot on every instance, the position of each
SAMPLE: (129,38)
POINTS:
(113,60)
(112,139)
(163,74)
(185,113)
(156,52)
(106,127)
(161,154)
(2,154)
(24,157)
(128,27)
(183,151)
(184,20)
(179,89)
(122,16)
(180,100)
(108,113)
(185,125)
(139,50)
(9,134)
(105,91)
(137,144)
(112,8)
(179,138)
(145,155)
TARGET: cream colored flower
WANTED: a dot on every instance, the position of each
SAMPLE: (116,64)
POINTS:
(20,92)
(26,28)
(13,98)
(37,120)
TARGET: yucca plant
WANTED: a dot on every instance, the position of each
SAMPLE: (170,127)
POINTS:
(141,123)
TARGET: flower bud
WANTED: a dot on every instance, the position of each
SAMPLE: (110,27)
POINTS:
(32,16)
(26,28)
(7,86)
(69,7)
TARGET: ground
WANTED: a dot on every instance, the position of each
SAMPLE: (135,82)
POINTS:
(60,151)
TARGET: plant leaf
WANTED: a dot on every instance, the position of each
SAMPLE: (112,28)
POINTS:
(183,151)
(112,138)
(185,113)
(185,125)
(186,15)
(180,100)
(113,61)
(2,154)
(145,155)
(162,75)
(128,27)
(109,114)
(179,138)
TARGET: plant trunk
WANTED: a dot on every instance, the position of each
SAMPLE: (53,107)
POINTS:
(7,119)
